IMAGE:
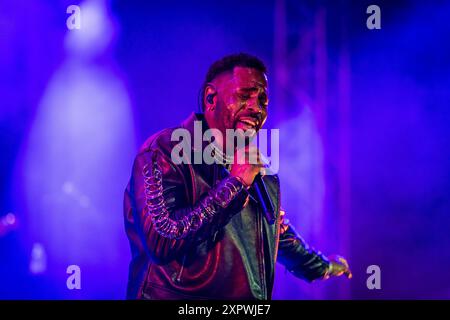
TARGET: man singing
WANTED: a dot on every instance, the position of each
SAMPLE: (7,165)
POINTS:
(197,229)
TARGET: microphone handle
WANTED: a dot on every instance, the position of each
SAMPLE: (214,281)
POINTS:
(264,199)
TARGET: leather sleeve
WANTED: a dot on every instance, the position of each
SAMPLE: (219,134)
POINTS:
(294,253)
(159,206)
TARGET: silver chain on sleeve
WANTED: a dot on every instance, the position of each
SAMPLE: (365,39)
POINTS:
(202,212)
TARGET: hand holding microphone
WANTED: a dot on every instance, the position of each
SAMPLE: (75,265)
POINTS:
(247,164)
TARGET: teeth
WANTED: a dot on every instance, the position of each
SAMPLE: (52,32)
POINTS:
(249,122)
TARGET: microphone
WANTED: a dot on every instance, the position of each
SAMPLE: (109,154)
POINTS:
(264,199)
(261,194)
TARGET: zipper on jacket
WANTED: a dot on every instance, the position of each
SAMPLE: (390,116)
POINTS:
(261,265)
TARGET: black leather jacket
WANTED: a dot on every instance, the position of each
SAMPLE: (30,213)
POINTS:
(196,233)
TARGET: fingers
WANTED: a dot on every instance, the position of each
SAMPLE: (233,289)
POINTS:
(347,271)
(341,267)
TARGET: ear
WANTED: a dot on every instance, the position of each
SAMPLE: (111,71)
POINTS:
(210,97)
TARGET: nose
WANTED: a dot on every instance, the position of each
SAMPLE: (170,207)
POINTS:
(254,106)
(256,111)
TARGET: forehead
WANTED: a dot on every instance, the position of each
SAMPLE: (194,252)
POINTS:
(244,77)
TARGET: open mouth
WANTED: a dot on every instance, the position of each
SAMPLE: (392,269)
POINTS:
(248,122)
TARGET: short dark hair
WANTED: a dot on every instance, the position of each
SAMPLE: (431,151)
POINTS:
(227,64)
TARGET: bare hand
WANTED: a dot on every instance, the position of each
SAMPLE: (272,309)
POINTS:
(338,267)
(247,164)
